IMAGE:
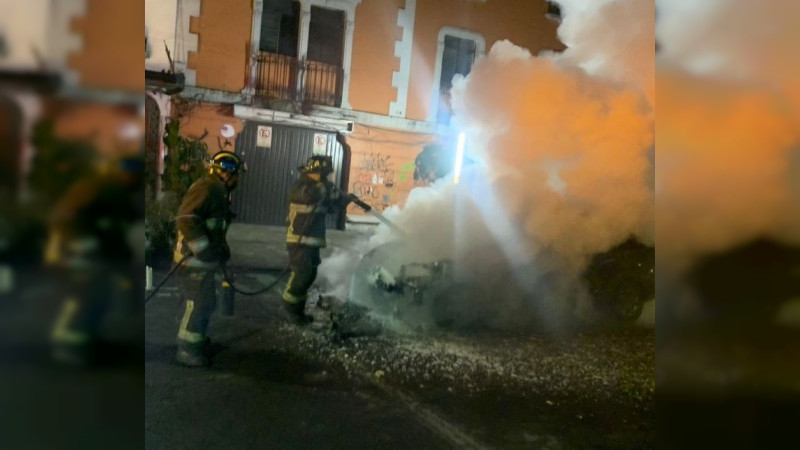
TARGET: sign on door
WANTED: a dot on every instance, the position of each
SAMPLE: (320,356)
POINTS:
(320,144)
(264,136)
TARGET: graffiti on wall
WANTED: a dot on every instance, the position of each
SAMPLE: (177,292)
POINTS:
(374,180)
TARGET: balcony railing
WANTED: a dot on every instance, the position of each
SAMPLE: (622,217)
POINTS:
(323,83)
(277,77)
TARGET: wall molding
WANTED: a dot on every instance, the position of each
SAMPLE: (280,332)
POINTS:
(403,50)
(186,42)
(480,50)
(240,100)
(213,95)
(338,119)
(255,45)
(283,117)
(63,41)
(164,104)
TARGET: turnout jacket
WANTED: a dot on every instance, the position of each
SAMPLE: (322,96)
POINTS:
(202,220)
(92,223)
(309,202)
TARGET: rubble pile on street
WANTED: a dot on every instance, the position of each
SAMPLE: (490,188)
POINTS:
(591,367)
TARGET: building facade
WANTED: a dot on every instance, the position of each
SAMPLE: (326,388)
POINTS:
(71,62)
(286,76)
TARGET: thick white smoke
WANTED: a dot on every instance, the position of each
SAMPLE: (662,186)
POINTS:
(612,39)
(729,129)
(561,143)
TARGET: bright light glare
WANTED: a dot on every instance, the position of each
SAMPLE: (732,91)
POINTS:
(459,157)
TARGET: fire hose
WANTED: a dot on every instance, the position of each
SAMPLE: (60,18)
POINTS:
(175,267)
(227,278)
(225,273)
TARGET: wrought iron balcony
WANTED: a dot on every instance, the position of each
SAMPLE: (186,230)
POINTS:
(277,79)
(276,76)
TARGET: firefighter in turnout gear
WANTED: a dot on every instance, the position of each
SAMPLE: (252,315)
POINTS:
(311,198)
(95,232)
(202,222)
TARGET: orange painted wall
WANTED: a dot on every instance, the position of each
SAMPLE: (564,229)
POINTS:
(520,21)
(382,161)
(223,45)
(373,59)
(211,117)
(111,53)
(100,124)
(382,165)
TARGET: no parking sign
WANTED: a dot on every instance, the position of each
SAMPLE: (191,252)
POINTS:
(320,144)
(264,136)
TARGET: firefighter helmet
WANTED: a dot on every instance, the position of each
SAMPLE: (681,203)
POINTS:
(227,162)
(322,164)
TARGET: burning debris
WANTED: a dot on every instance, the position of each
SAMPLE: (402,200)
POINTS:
(423,297)
(414,278)
(351,320)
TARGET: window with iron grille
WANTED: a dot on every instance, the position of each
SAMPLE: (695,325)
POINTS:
(281,74)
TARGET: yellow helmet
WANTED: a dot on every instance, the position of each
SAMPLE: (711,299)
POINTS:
(227,162)
(318,164)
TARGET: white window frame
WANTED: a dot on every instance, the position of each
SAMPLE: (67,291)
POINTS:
(403,49)
(349,8)
(480,51)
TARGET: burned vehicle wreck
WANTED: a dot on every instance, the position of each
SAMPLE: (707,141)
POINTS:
(410,293)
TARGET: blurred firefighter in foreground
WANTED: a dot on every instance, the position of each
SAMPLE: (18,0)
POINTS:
(96,241)
(201,249)
(311,198)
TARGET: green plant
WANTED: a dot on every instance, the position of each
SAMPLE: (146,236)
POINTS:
(185,160)
(58,163)
(184,163)
(160,228)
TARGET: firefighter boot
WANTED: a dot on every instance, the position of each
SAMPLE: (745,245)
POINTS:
(295,312)
(191,354)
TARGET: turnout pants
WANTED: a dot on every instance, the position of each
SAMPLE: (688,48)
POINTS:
(303,262)
(198,288)
(84,307)
(91,292)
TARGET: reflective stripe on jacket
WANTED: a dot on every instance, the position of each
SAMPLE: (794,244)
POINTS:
(309,203)
(202,219)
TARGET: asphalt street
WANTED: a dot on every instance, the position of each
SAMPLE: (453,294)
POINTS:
(274,385)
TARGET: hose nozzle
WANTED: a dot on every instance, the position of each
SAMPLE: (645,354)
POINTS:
(360,203)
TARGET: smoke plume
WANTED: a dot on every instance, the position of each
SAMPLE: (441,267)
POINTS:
(560,144)
(728,135)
